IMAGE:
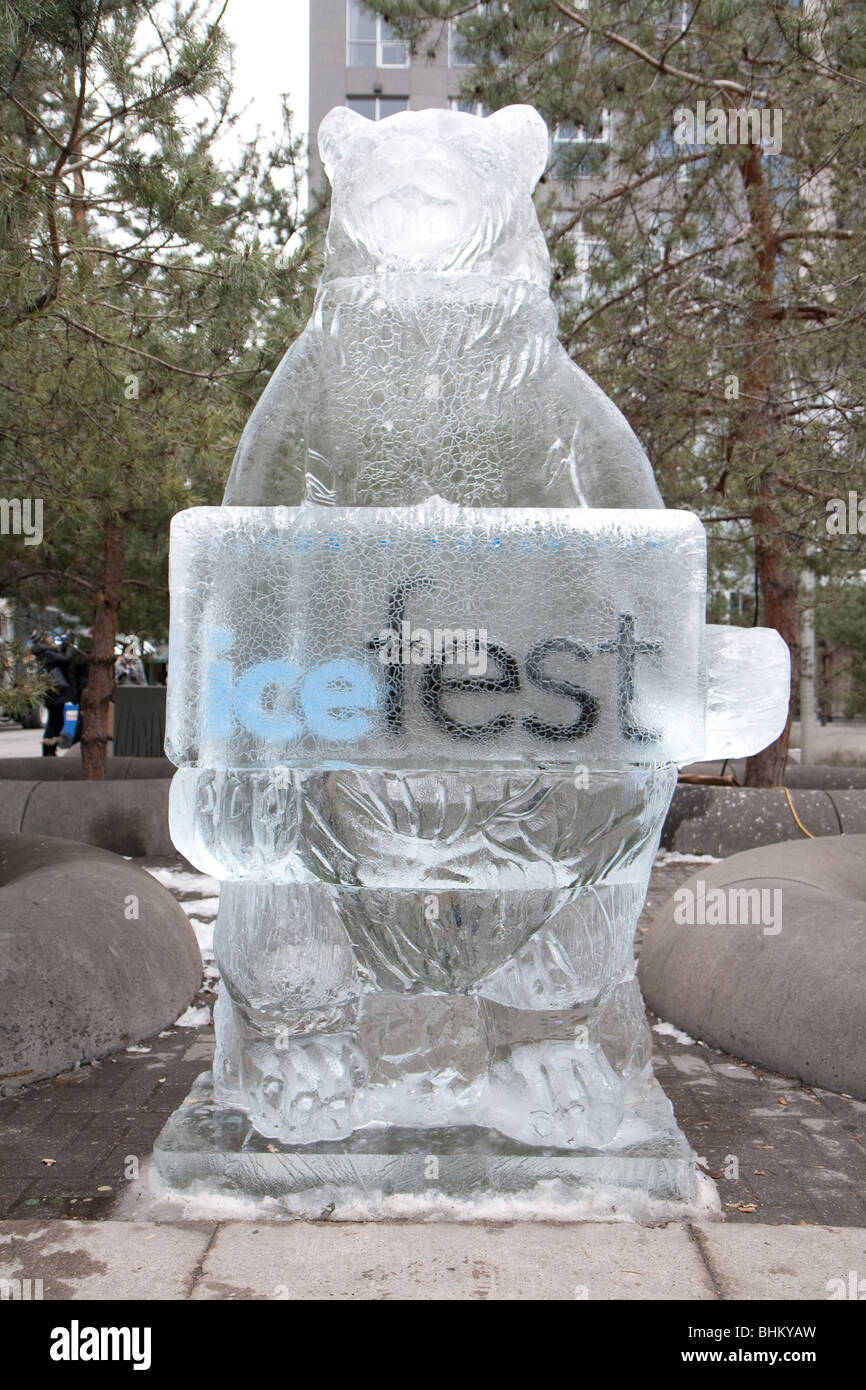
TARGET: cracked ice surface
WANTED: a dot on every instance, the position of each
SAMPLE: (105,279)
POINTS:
(434,854)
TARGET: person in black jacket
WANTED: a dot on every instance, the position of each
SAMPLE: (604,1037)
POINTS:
(67,670)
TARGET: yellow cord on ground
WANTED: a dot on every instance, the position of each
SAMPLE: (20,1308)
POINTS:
(796,817)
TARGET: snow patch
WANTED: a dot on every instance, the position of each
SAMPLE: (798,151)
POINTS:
(548,1201)
(193,1018)
(673,856)
(182,881)
(204,937)
(669,1031)
(202,907)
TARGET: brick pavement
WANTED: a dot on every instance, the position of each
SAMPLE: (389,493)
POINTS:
(70,1146)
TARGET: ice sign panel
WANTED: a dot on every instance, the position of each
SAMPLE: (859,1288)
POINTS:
(435,635)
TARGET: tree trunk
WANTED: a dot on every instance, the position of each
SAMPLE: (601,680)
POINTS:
(752,439)
(781,611)
(100,685)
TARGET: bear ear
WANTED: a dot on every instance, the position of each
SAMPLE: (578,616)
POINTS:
(336,133)
(524,134)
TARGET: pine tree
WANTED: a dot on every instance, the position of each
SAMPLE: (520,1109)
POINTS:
(144,300)
(725,299)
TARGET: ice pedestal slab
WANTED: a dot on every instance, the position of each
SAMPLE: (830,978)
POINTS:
(207,1147)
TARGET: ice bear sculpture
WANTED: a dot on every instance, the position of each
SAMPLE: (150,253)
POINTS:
(433,876)
(431,365)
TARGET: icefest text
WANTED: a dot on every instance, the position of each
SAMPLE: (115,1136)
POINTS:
(338,699)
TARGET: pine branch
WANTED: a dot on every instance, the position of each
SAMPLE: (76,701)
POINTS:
(149,356)
(722,84)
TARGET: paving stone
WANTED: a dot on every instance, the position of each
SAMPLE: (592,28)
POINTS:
(138,1089)
(528,1261)
(90,1153)
(104,1260)
(789,1262)
(135,1142)
(854,1111)
(98,1115)
(175,1093)
(744,1111)
(11,1192)
(56,1198)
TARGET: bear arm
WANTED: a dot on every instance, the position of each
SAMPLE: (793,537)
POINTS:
(269,464)
(612,467)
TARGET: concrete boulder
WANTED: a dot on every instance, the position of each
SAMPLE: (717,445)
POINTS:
(69,768)
(96,955)
(810,776)
(125,816)
(725,820)
(776,980)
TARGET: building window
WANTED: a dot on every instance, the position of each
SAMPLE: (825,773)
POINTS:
(581,152)
(457,54)
(668,152)
(740,605)
(596,134)
(377,108)
(469,106)
(371,43)
(458,48)
(589,253)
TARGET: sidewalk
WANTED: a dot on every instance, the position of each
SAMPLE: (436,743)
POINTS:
(795,1153)
(788,1160)
(532,1261)
(21,743)
(842,740)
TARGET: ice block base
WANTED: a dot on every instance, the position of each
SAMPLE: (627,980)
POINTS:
(211,1148)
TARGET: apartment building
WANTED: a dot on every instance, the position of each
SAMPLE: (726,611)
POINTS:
(356,60)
